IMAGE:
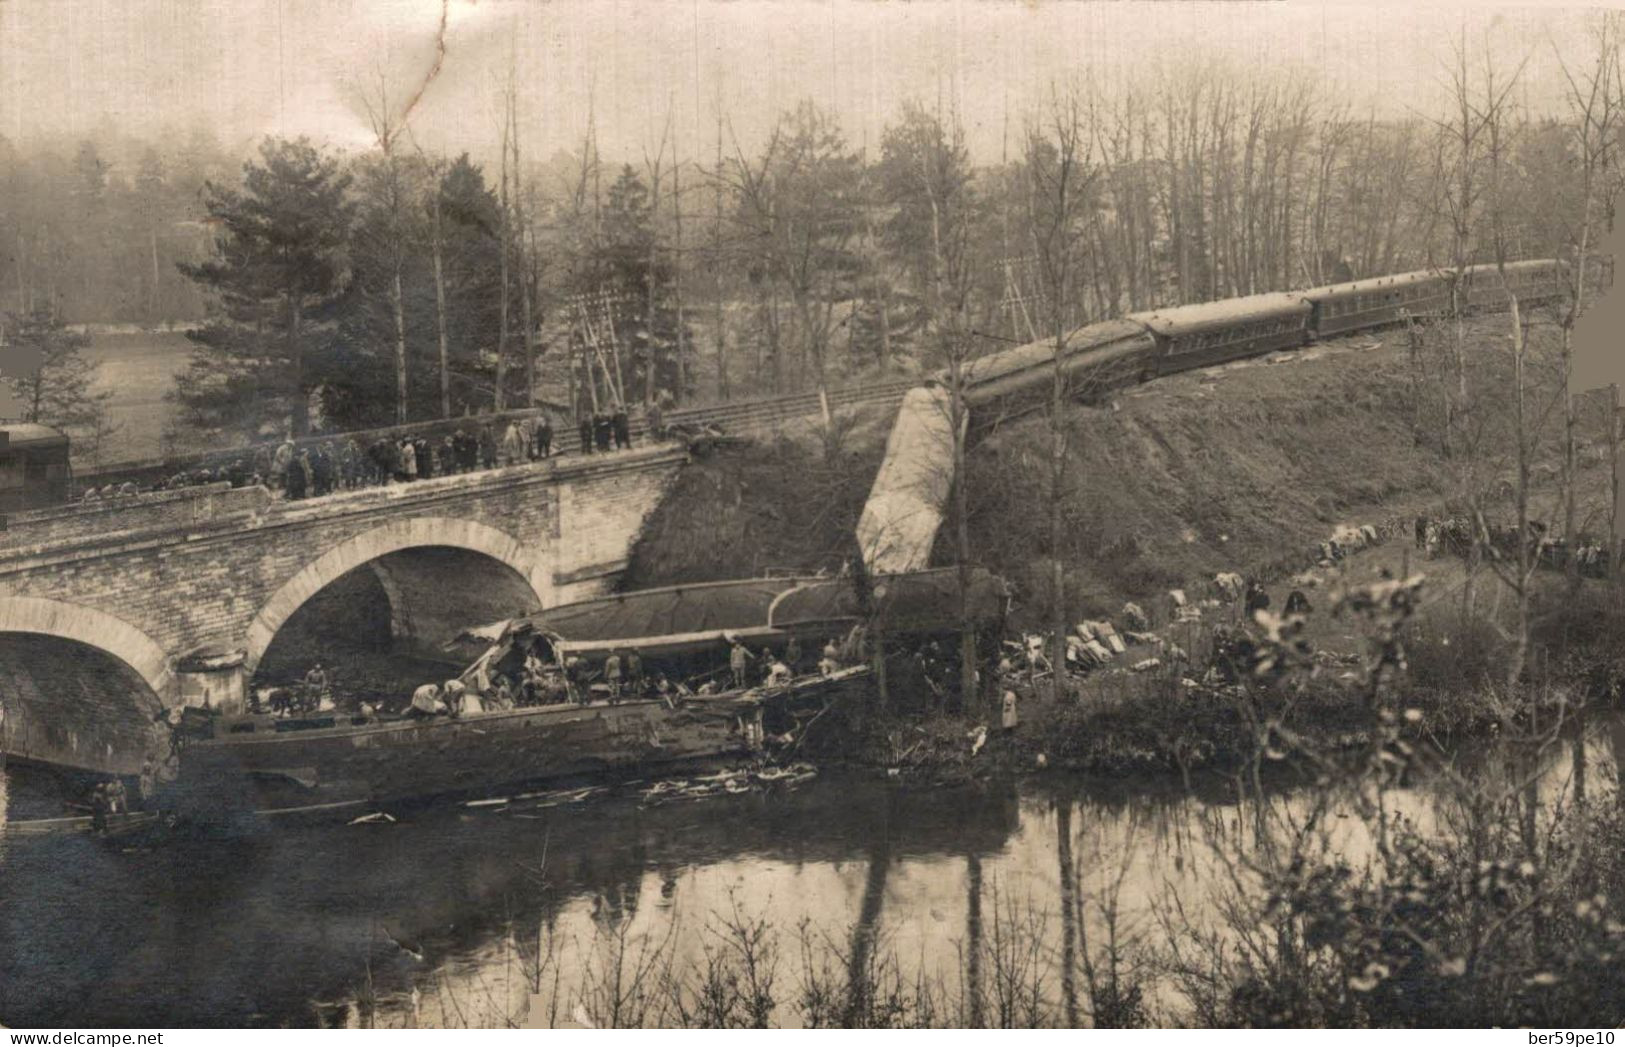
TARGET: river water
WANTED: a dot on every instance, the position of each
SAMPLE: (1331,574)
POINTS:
(454,916)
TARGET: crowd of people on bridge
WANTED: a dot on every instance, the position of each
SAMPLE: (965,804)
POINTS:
(310,469)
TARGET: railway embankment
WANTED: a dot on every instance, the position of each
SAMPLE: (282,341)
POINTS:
(1246,469)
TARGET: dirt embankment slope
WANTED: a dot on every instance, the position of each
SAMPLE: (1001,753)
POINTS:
(1244,469)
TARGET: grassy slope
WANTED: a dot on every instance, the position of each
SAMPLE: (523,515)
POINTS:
(1241,469)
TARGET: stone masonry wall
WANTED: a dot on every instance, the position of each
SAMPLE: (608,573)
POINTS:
(225,568)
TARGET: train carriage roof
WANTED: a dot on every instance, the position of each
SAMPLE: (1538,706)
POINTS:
(30,434)
(1185,319)
(1375,283)
(1528,265)
(1033,354)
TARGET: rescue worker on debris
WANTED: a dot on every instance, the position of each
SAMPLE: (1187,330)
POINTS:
(1008,717)
(738,661)
(778,674)
(612,676)
(792,653)
(1258,598)
(634,672)
(555,689)
(426,702)
(468,701)
(575,679)
(101,805)
(317,693)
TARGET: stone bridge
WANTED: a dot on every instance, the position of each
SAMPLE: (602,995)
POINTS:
(112,612)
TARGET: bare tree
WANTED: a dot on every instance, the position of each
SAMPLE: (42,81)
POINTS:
(934,147)
(1593,100)
(388,183)
(526,255)
(504,239)
(1061,173)
(656,166)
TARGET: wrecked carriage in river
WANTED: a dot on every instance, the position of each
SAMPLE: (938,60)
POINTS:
(335,760)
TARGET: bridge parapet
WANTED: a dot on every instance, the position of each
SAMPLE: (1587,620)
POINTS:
(161,510)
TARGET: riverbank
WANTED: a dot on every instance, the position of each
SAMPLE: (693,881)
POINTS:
(1247,469)
(1181,716)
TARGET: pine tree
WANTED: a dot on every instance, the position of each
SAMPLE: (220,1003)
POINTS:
(628,263)
(279,269)
(48,378)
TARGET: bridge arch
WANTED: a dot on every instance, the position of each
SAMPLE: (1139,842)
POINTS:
(79,687)
(373,546)
(93,628)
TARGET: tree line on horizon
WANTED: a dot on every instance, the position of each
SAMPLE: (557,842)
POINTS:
(393,284)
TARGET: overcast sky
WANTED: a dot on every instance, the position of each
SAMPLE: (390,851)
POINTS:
(252,67)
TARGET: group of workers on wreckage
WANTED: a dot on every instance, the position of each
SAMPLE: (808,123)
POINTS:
(1458,536)
(622,676)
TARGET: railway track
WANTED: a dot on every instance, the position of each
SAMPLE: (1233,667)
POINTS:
(737,417)
(754,416)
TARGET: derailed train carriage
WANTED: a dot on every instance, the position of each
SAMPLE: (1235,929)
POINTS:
(688,629)
(1111,354)
(1193,336)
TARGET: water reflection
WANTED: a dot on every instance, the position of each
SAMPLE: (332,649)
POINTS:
(457,917)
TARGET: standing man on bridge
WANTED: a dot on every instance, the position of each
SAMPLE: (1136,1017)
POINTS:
(513,445)
(622,426)
(584,431)
(488,447)
(280,463)
(544,438)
